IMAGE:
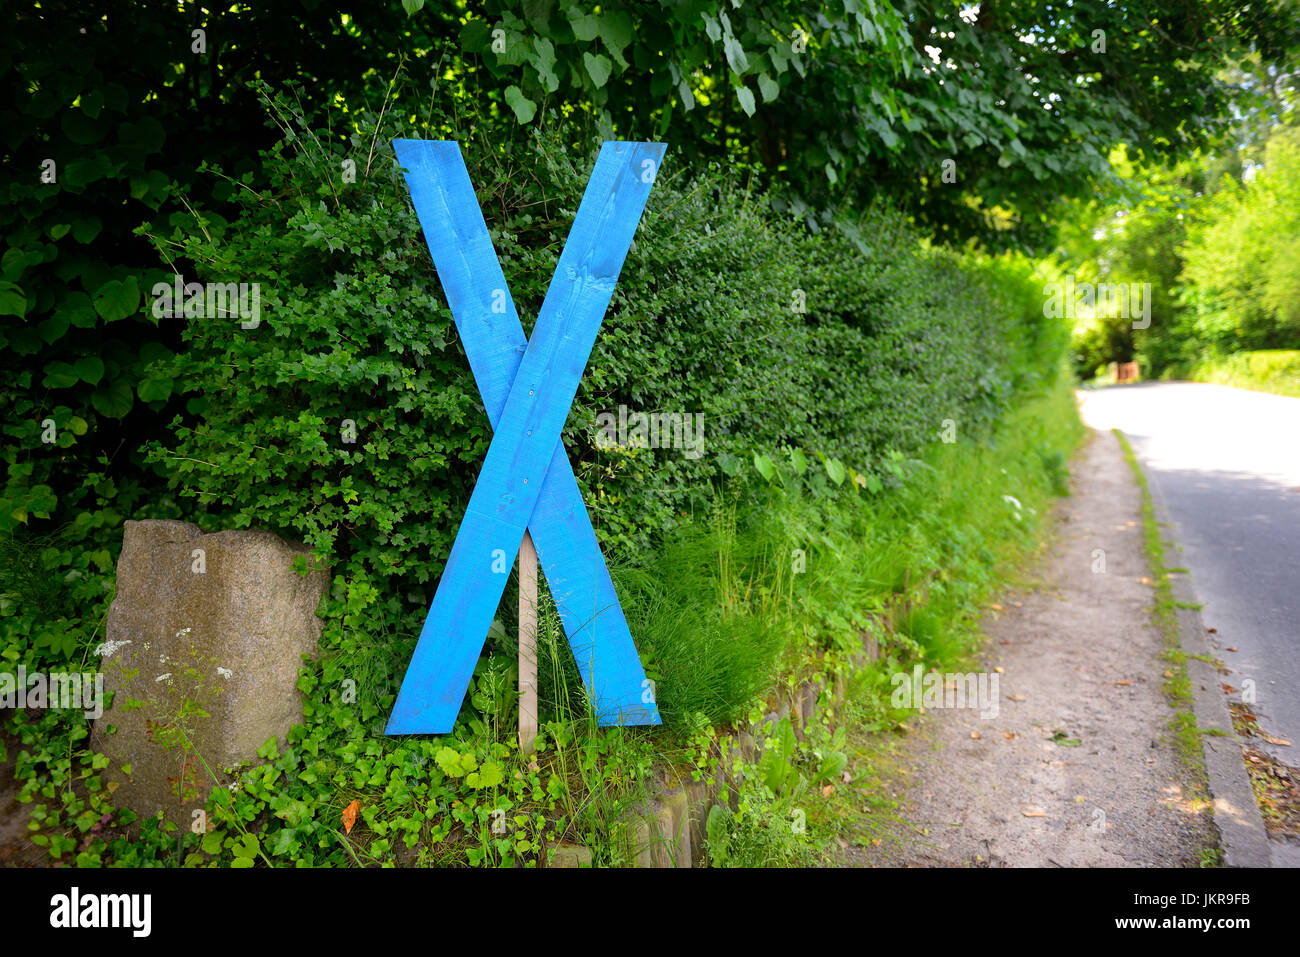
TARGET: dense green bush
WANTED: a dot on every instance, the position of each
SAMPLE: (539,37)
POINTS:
(93,150)
(892,341)
(1242,272)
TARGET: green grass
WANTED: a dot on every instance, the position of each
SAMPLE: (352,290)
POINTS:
(774,583)
(1265,370)
(1177,687)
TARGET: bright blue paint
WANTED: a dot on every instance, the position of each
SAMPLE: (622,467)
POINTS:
(527,388)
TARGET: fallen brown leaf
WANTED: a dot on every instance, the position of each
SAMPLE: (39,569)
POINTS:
(1015,697)
(996,607)
(976,735)
(1280,742)
(998,669)
(350,815)
(1009,735)
(1124,683)
(1231,648)
(1034,812)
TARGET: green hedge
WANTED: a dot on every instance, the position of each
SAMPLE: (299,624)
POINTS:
(895,340)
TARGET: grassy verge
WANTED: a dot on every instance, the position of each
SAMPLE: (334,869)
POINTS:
(800,569)
(1164,613)
(1266,370)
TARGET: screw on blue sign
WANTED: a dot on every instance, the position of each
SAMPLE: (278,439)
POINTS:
(526,482)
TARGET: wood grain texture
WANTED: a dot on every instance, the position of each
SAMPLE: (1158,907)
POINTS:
(527,645)
(526,480)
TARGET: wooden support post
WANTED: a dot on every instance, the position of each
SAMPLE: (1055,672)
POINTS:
(527,645)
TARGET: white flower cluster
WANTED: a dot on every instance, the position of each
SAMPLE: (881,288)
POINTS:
(109,648)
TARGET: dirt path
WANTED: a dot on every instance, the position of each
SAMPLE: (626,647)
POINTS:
(1080,662)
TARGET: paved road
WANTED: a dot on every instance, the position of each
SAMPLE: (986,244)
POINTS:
(1227,462)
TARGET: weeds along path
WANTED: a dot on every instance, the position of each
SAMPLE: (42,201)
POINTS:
(1080,766)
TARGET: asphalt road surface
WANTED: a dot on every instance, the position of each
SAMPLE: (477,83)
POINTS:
(1227,463)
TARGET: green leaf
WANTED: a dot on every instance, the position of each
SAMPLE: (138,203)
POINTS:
(835,469)
(153,390)
(585,27)
(77,309)
(453,763)
(475,36)
(60,230)
(60,375)
(89,369)
(117,299)
(798,461)
(616,32)
(83,172)
(544,62)
(525,109)
(746,99)
(488,776)
(598,68)
(768,87)
(735,53)
(12,300)
(765,466)
(412,7)
(85,230)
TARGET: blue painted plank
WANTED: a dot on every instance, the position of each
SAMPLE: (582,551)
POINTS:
(525,464)
(494,341)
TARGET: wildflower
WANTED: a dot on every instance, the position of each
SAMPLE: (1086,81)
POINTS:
(165,677)
(225,672)
(109,648)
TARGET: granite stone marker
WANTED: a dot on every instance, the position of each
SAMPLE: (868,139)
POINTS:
(204,642)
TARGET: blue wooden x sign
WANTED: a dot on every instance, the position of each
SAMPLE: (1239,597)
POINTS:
(526,482)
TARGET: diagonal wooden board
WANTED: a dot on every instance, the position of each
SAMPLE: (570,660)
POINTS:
(526,480)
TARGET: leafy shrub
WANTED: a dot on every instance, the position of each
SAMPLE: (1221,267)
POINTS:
(705,319)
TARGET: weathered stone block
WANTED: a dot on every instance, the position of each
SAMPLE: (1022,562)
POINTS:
(570,855)
(205,638)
